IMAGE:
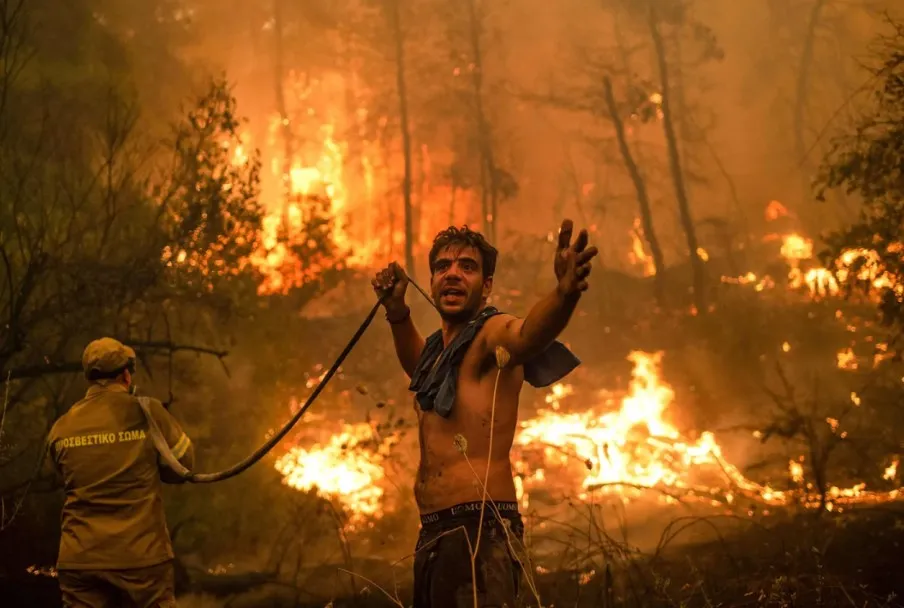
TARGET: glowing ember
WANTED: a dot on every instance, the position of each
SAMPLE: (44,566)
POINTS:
(891,471)
(863,265)
(347,469)
(775,210)
(558,392)
(820,282)
(847,359)
(48,571)
(868,267)
(796,470)
(796,247)
(751,279)
(882,353)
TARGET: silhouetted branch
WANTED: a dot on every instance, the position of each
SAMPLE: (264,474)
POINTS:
(45,369)
(68,367)
(171,347)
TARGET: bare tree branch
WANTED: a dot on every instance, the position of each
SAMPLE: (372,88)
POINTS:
(67,367)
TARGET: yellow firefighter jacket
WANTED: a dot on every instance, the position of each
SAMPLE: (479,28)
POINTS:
(113,516)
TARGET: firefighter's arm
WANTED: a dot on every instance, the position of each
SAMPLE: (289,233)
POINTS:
(179,443)
(49,472)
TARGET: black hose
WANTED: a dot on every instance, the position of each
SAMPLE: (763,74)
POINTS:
(173,463)
(271,443)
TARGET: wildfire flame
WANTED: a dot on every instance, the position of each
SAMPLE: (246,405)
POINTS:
(303,191)
(308,185)
(891,471)
(863,265)
(638,254)
(633,448)
(623,449)
(775,210)
(346,468)
(847,359)
(751,279)
(317,176)
(856,264)
(630,449)
(796,247)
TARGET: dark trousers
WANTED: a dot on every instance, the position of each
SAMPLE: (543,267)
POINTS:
(443,577)
(151,587)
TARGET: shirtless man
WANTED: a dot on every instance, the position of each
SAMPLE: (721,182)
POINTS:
(453,374)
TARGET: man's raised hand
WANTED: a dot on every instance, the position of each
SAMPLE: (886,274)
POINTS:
(572,262)
(390,285)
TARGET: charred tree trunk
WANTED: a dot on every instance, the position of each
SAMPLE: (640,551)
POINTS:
(683,128)
(285,129)
(395,19)
(640,187)
(346,551)
(489,194)
(684,208)
(733,192)
(803,85)
(418,182)
(818,461)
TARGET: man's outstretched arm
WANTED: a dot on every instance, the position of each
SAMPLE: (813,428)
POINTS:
(528,337)
(390,284)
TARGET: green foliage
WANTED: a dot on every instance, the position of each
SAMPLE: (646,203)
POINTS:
(91,204)
(90,245)
(869,162)
(210,218)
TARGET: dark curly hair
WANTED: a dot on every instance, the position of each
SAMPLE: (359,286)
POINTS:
(465,237)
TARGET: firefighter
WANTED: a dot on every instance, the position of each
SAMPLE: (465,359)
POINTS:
(115,548)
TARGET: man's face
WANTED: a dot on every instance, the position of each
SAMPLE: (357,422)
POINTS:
(457,283)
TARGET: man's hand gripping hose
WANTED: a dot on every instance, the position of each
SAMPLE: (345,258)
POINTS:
(170,460)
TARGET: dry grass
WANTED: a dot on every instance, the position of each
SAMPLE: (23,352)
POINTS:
(200,601)
(848,560)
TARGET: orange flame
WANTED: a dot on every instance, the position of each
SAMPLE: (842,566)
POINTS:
(630,449)
(847,359)
(345,469)
(858,264)
(621,451)
(796,247)
(638,254)
(775,210)
(633,448)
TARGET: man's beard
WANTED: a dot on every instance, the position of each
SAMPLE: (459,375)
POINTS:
(464,314)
